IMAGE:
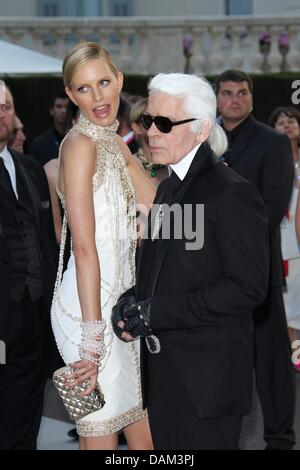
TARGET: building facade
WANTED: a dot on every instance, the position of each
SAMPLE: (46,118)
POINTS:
(147,8)
(147,37)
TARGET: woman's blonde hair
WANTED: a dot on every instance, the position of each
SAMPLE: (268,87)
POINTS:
(80,55)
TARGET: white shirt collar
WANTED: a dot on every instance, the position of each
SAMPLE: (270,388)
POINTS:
(181,168)
(10,166)
(6,156)
(128,137)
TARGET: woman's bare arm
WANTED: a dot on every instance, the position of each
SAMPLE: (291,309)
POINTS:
(77,167)
(51,170)
(78,162)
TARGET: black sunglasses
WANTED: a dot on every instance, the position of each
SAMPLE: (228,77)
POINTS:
(162,123)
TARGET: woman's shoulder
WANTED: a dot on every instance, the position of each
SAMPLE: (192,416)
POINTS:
(77,144)
(75,138)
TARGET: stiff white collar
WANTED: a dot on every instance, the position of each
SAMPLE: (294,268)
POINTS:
(128,137)
(6,156)
(181,168)
(10,166)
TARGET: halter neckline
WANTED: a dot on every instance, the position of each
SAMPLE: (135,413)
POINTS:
(94,131)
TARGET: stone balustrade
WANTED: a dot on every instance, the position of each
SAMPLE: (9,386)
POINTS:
(147,45)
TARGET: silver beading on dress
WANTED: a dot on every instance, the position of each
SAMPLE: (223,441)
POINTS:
(92,347)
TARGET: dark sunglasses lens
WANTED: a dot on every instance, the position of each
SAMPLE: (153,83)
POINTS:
(163,124)
(146,121)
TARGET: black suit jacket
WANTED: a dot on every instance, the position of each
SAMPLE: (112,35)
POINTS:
(46,146)
(37,186)
(264,157)
(202,300)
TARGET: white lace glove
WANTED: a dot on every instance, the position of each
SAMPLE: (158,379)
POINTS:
(92,347)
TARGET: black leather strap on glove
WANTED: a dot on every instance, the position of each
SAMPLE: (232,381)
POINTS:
(118,314)
(137,318)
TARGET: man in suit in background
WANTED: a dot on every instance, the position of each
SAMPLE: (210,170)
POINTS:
(46,146)
(193,302)
(264,157)
(27,274)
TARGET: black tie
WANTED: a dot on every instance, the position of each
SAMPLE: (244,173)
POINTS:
(171,187)
(158,210)
(5,180)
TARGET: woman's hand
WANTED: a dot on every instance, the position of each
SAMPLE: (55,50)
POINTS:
(83,371)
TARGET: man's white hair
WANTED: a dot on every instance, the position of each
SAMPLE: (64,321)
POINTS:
(2,92)
(199,101)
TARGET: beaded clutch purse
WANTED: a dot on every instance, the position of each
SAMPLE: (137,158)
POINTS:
(77,406)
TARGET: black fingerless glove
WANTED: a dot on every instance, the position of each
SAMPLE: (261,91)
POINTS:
(118,314)
(137,318)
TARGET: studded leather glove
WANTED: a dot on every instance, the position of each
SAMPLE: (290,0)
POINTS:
(118,314)
(137,318)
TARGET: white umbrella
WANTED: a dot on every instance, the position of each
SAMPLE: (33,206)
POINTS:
(16,60)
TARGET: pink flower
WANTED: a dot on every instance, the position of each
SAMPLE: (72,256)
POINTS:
(283,39)
(187,43)
(265,39)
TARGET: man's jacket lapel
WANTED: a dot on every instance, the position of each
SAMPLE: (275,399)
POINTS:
(202,162)
(28,180)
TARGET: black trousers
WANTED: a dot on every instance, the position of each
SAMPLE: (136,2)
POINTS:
(23,377)
(275,377)
(174,421)
(178,429)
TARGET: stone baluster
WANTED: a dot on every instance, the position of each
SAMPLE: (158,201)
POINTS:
(104,38)
(61,35)
(143,59)
(236,58)
(256,58)
(275,57)
(38,36)
(157,45)
(16,35)
(83,34)
(293,55)
(3,32)
(216,60)
(197,60)
(125,61)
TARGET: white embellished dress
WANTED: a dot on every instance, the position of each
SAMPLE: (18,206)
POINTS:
(114,206)
(291,252)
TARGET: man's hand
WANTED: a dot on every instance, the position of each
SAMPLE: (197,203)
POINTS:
(137,319)
(117,317)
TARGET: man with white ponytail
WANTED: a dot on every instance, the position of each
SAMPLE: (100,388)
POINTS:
(193,302)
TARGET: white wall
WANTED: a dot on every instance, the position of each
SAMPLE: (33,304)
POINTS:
(276,7)
(18,8)
(178,7)
(165,7)
(210,7)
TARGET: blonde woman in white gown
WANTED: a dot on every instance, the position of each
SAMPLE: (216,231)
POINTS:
(99,184)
